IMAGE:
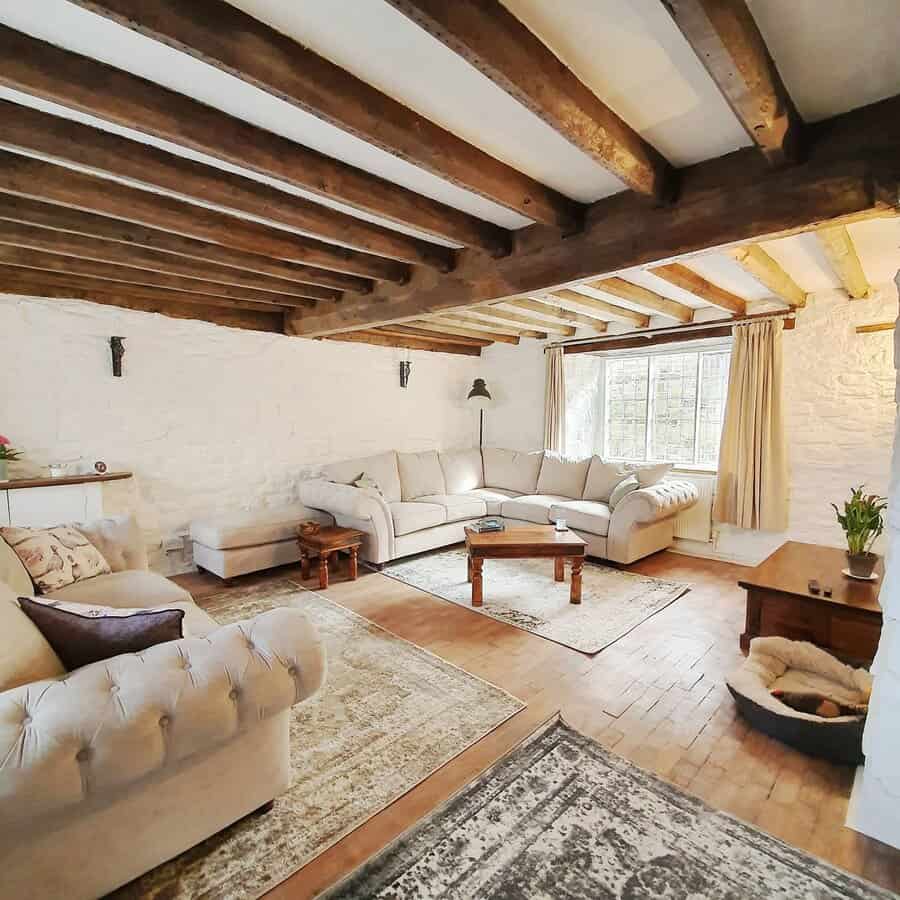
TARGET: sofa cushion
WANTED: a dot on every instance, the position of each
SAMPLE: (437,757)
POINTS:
(414,516)
(493,498)
(250,529)
(562,476)
(651,474)
(602,478)
(420,474)
(133,588)
(25,655)
(382,468)
(458,506)
(583,515)
(12,573)
(512,470)
(463,470)
(531,508)
(622,489)
(119,540)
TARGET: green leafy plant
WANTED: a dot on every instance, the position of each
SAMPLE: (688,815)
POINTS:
(7,451)
(862,519)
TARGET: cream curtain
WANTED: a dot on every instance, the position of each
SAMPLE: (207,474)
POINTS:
(752,486)
(555,402)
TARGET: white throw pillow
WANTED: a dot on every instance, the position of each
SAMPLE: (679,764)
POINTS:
(622,490)
(563,477)
(420,475)
(602,478)
(381,468)
(647,475)
(511,470)
(463,470)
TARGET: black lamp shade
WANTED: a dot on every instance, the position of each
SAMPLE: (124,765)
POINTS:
(479,390)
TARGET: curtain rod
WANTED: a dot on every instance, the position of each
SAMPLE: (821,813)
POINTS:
(650,333)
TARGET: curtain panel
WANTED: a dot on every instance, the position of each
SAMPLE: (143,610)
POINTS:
(555,402)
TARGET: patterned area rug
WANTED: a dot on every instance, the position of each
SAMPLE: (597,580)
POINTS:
(389,715)
(560,817)
(522,592)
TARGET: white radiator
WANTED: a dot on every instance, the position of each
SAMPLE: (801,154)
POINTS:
(695,524)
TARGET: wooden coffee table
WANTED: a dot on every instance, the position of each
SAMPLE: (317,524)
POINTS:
(525,542)
(326,545)
(848,623)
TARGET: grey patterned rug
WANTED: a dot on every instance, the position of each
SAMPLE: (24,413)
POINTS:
(389,715)
(522,592)
(560,817)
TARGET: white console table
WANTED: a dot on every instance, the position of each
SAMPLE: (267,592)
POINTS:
(38,502)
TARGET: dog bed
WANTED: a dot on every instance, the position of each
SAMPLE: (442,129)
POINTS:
(776,663)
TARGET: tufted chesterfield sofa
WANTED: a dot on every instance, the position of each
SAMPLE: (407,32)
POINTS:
(425,500)
(109,770)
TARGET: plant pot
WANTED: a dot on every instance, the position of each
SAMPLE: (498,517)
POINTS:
(4,470)
(862,564)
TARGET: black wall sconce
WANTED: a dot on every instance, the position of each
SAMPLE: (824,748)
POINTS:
(117,348)
(405,366)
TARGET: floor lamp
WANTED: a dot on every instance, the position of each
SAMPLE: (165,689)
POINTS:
(481,396)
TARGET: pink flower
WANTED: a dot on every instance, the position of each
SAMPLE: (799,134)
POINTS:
(4,440)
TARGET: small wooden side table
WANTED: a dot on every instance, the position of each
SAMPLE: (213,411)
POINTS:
(326,545)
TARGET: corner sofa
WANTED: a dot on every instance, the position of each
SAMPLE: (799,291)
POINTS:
(120,765)
(425,500)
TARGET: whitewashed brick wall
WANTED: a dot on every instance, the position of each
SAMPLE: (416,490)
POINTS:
(213,418)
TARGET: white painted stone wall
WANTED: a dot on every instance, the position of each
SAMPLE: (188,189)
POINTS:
(213,418)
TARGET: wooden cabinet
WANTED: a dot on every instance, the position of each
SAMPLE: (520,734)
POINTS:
(40,502)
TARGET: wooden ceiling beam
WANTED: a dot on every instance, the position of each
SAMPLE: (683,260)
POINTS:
(106,153)
(498,45)
(688,280)
(493,314)
(67,222)
(838,247)
(25,176)
(408,343)
(467,320)
(756,262)
(225,37)
(442,327)
(410,331)
(78,82)
(589,304)
(553,312)
(644,297)
(728,42)
(18,234)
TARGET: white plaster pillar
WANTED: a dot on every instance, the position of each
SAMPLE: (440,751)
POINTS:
(878,801)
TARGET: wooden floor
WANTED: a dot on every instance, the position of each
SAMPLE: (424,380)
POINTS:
(657,697)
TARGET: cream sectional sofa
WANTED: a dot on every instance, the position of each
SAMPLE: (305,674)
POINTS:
(425,500)
(115,767)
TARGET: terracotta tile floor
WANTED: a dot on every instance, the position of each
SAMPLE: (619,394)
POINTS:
(657,697)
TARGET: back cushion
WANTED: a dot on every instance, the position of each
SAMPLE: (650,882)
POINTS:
(25,655)
(382,468)
(602,478)
(420,474)
(463,470)
(13,573)
(561,476)
(119,540)
(511,470)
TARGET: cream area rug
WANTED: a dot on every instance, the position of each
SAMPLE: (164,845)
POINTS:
(389,715)
(522,592)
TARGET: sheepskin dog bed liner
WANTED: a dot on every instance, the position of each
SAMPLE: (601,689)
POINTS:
(778,663)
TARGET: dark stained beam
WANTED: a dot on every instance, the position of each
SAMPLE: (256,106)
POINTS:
(76,222)
(225,37)
(78,82)
(106,153)
(409,343)
(728,42)
(18,234)
(496,43)
(28,283)
(25,176)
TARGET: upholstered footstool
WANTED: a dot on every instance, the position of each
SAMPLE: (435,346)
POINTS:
(236,543)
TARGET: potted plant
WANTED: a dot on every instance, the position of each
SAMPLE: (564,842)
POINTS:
(7,453)
(862,521)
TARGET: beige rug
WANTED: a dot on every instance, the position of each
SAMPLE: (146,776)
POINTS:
(522,592)
(390,715)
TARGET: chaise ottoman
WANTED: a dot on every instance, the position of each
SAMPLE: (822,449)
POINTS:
(236,543)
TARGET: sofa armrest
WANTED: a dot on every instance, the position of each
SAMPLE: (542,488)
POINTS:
(659,501)
(111,724)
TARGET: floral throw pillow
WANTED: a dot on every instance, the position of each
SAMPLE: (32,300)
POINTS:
(55,557)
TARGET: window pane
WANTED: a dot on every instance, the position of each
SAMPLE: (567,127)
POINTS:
(674,386)
(713,390)
(626,408)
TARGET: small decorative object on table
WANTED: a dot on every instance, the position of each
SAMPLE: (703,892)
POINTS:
(490,524)
(8,453)
(862,521)
(58,470)
(326,544)
(309,527)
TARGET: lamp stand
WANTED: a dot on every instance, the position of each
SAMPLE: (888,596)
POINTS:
(481,428)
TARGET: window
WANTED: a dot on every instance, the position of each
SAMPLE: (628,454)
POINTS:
(666,407)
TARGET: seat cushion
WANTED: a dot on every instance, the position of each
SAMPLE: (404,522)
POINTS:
(493,498)
(133,588)
(458,506)
(420,474)
(583,515)
(512,470)
(463,470)
(25,655)
(250,529)
(382,468)
(562,476)
(415,516)
(531,507)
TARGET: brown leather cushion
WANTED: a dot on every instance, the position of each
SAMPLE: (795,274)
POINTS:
(82,639)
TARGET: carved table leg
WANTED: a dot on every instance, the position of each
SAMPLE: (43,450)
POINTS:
(353,563)
(469,569)
(477,595)
(575,591)
(559,569)
(323,570)
(304,564)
